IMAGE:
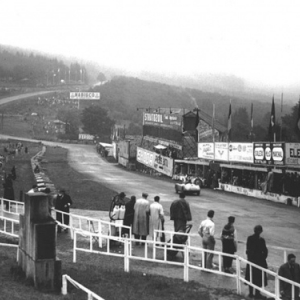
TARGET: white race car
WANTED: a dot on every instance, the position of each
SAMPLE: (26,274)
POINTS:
(188,188)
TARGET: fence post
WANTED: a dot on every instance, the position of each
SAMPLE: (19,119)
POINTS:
(238,275)
(186,264)
(64,289)
(126,256)
(71,226)
(74,247)
(100,233)
(277,287)
(284,256)
(90,296)
(2,205)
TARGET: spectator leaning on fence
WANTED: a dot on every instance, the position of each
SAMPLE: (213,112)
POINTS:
(290,270)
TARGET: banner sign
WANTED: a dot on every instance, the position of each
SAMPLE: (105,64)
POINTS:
(269,153)
(206,150)
(241,152)
(155,161)
(161,119)
(84,95)
(292,154)
(221,151)
(85,136)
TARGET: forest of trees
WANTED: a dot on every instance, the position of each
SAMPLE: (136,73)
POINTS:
(35,69)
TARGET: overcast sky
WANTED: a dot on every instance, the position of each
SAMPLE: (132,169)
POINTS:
(257,40)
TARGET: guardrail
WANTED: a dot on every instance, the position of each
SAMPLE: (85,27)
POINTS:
(90,295)
(14,207)
(9,226)
(160,255)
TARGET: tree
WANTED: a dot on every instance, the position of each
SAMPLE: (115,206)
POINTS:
(289,122)
(101,77)
(96,121)
(72,120)
(240,125)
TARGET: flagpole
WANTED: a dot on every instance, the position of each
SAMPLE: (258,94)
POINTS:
(281,117)
(213,123)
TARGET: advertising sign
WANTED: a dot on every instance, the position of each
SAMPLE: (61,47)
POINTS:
(206,150)
(85,136)
(269,153)
(161,119)
(155,161)
(221,151)
(84,96)
(241,152)
(292,154)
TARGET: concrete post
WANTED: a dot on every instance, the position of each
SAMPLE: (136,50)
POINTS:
(37,243)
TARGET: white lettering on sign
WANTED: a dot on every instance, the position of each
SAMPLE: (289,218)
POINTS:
(153,118)
(85,95)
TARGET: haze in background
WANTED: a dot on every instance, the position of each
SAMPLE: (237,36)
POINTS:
(257,41)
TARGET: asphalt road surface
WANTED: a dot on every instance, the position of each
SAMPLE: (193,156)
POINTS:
(280,222)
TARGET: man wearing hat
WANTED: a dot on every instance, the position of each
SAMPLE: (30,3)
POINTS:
(180,212)
(63,203)
(141,218)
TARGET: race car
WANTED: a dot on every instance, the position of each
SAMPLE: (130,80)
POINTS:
(188,188)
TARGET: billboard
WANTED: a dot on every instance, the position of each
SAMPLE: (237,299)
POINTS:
(241,152)
(162,119)
(84,96)
(206,150)
(85,136)
(292,154)
(221,151)
(269,153)
(155,161)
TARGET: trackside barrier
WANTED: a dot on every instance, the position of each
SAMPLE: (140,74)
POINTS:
(8,226)
(13,246)
(159,255)
(14,207)
(270,274)
(97,226)
(90,295)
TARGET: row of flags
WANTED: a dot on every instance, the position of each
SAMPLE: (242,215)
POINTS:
(272,123)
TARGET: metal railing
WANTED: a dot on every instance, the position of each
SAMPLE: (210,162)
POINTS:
(90,295)
(157,252)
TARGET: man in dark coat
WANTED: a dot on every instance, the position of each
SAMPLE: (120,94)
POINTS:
(291,271)
(129,214)
(180,213)
(63,203)
(257,253)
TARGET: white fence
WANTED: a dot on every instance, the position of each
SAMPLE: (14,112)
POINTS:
(65,278)
(11,206)
(157,252)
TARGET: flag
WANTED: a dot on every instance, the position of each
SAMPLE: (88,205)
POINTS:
(298,117)
(251,120)
(272,121)
(196,125)
(213,123)
(229,123)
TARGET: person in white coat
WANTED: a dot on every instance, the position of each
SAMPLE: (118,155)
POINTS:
(156,217)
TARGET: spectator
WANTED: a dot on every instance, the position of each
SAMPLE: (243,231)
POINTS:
(229,244)
(129,214)
(63,203)
(207,231)
(156,217)
(180,213)
(141,218)
(291,271)
(257,253)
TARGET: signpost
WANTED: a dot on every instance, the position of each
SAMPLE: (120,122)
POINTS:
(84,96)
